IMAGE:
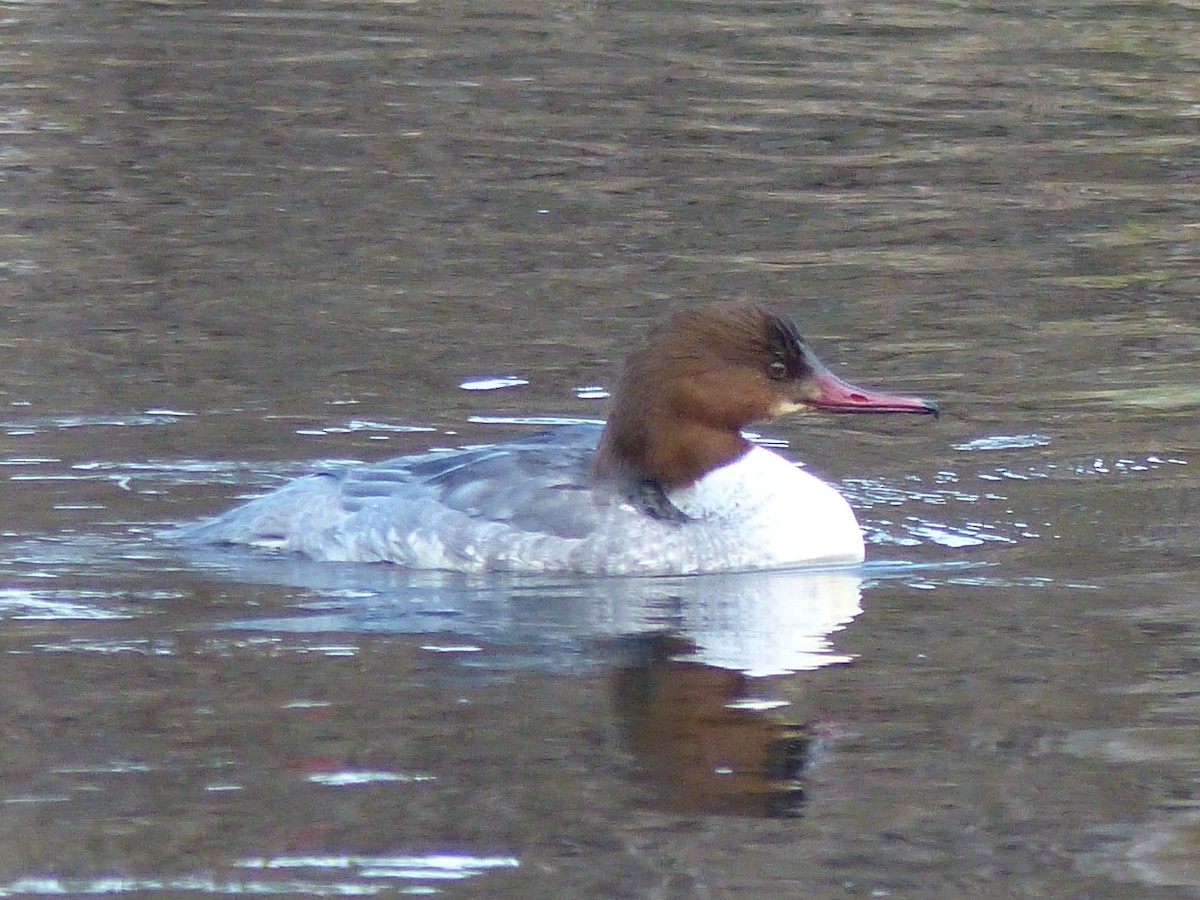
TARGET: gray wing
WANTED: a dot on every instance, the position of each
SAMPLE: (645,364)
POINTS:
(537,484)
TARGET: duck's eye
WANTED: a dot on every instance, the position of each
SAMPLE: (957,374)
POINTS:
(777,370)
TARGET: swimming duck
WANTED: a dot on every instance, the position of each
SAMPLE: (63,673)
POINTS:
(669,485)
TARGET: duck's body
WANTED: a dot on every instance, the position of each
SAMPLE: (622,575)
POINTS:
(531,506)
(669,486)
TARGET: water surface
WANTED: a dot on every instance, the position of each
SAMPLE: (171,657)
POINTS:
(236,241)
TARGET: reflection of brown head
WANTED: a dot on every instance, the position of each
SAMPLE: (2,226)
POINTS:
(701,754)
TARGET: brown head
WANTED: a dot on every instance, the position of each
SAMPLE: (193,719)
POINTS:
(705,374)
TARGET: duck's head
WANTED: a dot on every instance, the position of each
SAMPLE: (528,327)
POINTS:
(705,374)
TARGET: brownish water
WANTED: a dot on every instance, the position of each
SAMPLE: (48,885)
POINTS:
(236,238)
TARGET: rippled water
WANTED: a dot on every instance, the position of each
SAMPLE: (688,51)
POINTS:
(238,242)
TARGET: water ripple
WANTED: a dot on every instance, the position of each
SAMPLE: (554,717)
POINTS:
(19,603)
(1004,442)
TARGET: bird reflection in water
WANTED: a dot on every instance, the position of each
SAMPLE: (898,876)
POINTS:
(700,743)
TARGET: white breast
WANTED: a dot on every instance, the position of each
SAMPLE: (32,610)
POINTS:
(784,514)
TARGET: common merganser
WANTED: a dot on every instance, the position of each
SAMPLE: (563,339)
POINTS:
(669,486)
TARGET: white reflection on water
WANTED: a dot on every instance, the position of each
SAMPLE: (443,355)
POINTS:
(871,495)
(591,392)
(349,778)
(441,865)
(549,421)
(114,767)
(354,425)
(1004,442)
(355,882)
(961,520)
(19,603)
(495,383)
(142,646)
(34,425)
(759,623)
